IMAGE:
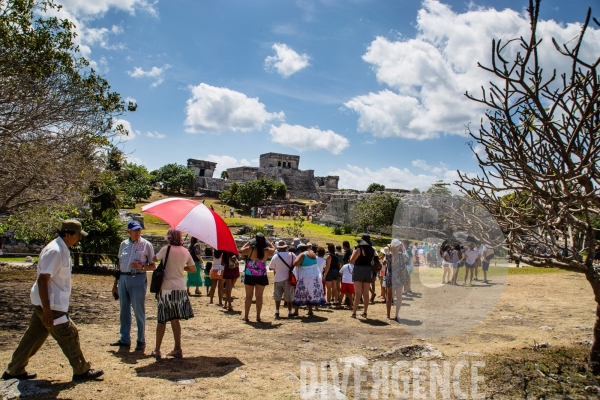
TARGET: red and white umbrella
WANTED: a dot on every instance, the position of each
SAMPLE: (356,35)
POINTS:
(196,220)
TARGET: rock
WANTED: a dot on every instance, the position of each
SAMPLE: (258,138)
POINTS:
(292,377)
(305,339)
(186,382)
(583,327)
(592,389)
(546,328)
(244,376)
(585,342)
(150,317)
(371,348)
(28,259)
(541,345)
(415,351)
(13,389)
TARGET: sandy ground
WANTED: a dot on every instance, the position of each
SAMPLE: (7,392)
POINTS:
(227,358)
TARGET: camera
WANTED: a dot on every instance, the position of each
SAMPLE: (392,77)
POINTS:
(116,296)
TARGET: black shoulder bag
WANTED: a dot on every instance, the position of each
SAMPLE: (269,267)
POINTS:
(158,274)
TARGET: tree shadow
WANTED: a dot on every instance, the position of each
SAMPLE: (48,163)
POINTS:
(174,369)
(410,322)
(47,389)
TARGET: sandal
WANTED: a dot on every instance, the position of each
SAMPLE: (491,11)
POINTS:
(176,354)
(156,354)
(353,316)
(246,319)
(310,313)
(230,309)
(258,319)
(364,315)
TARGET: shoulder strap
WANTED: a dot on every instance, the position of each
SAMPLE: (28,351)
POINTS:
(286,264)
(166,257)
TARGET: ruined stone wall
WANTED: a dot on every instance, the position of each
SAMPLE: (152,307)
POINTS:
(201,167)
(243,174)
(285,161)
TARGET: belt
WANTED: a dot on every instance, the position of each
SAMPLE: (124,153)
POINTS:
(129,273)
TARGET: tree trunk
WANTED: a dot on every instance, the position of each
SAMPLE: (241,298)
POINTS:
(594,278)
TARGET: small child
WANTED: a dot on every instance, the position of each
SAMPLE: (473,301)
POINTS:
(207,281)
(347,285)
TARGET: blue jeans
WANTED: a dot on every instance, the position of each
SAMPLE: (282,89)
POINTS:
(132,294)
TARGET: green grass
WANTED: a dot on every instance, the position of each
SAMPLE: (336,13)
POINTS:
(535,270)
(6,258)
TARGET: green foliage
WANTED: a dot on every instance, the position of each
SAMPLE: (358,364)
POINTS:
(105,233)
(295,229)
(415,191)
(377,211)
(440,188)
(337,230)
(258,229)
(279,190)
(56,110)
(175,177)
(375,187)
(41,222)
(224,175)
(347,229)
(250,193)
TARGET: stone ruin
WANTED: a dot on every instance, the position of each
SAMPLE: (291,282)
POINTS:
(282,168)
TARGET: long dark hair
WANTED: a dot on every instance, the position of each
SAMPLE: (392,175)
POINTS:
(331,249)
(225,258)
(193,242)
(261,245)
(218,254)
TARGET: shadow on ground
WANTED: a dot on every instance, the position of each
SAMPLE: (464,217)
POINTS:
(189,368)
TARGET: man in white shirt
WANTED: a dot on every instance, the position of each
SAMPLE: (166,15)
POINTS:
(282,263)
(471,261)
(50,298)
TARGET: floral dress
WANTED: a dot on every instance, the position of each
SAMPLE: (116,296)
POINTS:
(309,289)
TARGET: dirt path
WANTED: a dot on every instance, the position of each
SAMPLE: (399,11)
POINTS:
(226,358)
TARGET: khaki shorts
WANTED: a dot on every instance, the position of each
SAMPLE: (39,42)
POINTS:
(283,291)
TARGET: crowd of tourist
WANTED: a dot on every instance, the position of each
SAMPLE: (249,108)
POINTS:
(305,275)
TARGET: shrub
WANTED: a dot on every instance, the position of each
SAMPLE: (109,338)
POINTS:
(347,228)
(337,230)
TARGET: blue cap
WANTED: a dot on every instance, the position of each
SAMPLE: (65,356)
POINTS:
(133,225)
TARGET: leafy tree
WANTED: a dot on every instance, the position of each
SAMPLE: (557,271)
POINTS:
(415,191)
(376,211)
(295,228)
(542,138)
(224,175)
(440,189)
(55,112)
(136,181)
(375,187)
(175,177)
(279,190)
(250,193)
(40,222)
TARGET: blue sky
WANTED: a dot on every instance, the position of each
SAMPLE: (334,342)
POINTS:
(369,90)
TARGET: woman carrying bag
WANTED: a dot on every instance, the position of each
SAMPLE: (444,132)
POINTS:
(173,301)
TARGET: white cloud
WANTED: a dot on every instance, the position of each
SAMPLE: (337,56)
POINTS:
(286,61)
(157,73)
(428,75)
(213,110)
(423,165)
(155,135)
(127,126)
(97,8)
(224,162)
(130,99)
(305,139)
(354,177)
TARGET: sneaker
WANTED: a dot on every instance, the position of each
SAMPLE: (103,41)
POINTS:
(23,377)
(277,314)
(120,344)
(89,375)
(140,346)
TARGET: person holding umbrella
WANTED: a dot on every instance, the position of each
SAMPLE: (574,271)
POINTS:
(256,251)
